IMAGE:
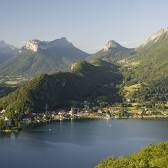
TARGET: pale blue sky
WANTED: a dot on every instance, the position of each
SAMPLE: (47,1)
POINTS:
(86,23)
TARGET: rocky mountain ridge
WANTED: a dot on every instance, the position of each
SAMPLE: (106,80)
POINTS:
(37,45)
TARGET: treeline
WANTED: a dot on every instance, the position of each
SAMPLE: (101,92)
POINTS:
(155,91)
(153,156)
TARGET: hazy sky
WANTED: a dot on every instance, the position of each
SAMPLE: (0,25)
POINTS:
(86,23)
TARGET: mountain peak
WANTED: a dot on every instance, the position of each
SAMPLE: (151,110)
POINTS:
(63,38)
(3,44)
(61,42)
(36,45)
(111,44)
(155,36)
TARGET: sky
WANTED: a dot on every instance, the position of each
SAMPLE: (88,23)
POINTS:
(88,24)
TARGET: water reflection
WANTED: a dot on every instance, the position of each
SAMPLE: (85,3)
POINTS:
(12,137)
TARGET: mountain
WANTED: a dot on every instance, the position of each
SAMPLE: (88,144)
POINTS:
(85,82)
(112,51)
(38,57)
(150,67)
(7,51)
(152,57)
(144,69)
(155,38)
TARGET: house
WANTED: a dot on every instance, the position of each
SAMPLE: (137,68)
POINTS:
(100,111)
(27,118)
(108,115)
(2,112)
(73,111)
(8,121)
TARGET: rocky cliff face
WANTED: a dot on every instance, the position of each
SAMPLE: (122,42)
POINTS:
(32,45)
(36,45)
(110,44)
(39,57)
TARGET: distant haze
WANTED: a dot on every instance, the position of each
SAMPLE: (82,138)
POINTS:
(88,24)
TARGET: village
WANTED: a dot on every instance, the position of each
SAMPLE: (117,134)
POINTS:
(30,119)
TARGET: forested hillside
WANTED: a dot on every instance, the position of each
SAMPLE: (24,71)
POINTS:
(153,156)
(149,68)
(85,82)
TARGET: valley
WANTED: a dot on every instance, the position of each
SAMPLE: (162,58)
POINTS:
(83,84)
(127,82)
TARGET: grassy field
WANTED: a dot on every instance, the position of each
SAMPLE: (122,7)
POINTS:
(128,90)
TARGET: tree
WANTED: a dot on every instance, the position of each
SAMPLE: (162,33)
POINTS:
(2,124)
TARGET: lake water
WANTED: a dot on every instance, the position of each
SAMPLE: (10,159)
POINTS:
(78,144)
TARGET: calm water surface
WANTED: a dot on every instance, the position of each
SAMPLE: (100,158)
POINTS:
(78,144)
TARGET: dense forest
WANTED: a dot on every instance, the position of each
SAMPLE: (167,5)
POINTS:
(96,82)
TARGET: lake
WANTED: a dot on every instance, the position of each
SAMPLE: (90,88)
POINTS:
(78,144)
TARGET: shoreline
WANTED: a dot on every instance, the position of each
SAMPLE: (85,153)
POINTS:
(36,124)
